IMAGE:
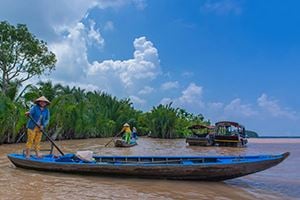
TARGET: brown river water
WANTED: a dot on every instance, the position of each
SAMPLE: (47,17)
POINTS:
(279,182)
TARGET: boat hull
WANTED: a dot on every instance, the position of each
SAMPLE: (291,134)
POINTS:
(198,141)
(231,141)
(122,143)
(185,168)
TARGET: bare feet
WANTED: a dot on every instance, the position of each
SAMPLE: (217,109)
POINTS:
(27,153)
(39,156)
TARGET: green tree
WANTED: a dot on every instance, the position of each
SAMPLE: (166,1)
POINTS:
(162,121)
(22,56)
(11,120)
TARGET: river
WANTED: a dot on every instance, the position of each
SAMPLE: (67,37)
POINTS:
(279,182)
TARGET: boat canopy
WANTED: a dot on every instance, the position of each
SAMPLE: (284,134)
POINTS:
(229,123)
(201,126)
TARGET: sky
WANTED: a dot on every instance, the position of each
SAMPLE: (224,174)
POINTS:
(235,60)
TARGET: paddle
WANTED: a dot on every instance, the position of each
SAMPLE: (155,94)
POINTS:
(45,134)
(113,138)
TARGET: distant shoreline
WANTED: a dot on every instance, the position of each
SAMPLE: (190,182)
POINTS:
(275,140)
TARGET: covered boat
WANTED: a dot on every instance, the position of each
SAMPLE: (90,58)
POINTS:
(229,133)
(206,168)
(202,135)
(122,143)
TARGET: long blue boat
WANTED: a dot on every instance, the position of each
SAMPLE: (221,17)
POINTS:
(206,168)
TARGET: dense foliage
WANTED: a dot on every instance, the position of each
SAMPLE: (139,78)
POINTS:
(77,114)
(251,134)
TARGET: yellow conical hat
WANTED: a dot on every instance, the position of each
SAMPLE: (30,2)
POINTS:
(126,124)
(42,98)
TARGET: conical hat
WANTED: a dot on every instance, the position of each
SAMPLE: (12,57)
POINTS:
(42,98)
(126,124)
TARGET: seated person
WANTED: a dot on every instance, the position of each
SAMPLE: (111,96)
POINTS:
(134,134)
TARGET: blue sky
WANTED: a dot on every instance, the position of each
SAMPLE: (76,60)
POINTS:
(227,59)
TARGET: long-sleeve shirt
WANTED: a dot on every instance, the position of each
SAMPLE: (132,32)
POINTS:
(40,116)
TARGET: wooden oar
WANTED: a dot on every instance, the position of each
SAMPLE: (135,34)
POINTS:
(45,134)
(53,137)
(20,138)
(113,138)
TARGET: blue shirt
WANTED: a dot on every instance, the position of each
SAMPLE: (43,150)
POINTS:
(40,116)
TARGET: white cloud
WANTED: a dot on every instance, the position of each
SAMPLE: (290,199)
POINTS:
(146,90)
(103,4)
(222,7)
(140,4)
(94,36)
(71,54)
(137,100)
(122,77)
(192,94)
(165,101)
(143,66)
(191,99)
(215,105)
(59,23)
(53,18)
(272,107)
(169,85)
(86,87)
(236,108)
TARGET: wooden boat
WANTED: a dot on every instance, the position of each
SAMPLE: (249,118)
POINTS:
(229,133)
(211,168)
(202,135)
(122,143)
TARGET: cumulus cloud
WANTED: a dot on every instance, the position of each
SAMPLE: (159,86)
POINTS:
(222,7)
(52,18)
(94,36)
(115,76)
(169,85)
(235,107)
(192,94)
(146,90)
(71,54)
(272,107)
(143,66)
(190,99)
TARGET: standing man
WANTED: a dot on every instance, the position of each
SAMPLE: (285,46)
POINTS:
(40,113)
